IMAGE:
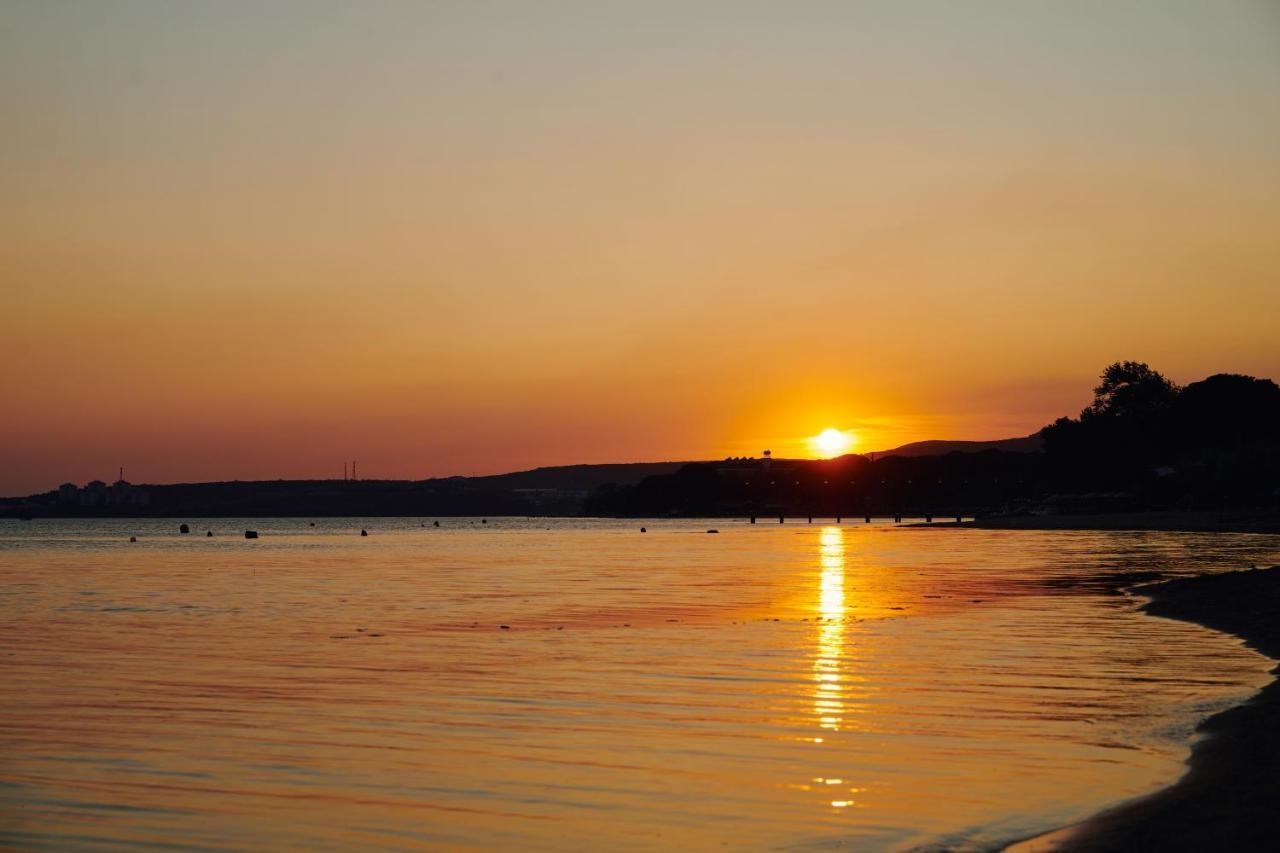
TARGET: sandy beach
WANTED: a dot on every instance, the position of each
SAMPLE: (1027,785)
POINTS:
(1229,799)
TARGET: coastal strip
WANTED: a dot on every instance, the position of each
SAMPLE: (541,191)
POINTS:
(1229,798)
(1213,521)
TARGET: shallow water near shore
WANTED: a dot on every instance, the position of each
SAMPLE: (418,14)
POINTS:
(575,683)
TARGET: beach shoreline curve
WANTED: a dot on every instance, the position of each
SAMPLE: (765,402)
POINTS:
(1229,797)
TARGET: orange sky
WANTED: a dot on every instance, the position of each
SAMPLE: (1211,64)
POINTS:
(241,243)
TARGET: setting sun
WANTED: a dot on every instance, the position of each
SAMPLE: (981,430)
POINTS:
(833,442)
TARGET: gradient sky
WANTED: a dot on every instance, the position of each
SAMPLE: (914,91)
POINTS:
(251,240)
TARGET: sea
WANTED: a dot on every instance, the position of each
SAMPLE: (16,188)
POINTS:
(574,684)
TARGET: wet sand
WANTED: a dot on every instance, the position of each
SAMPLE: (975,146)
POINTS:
(1230,797)
(1191,522)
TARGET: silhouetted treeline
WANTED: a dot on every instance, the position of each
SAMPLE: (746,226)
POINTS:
(1214,443)
(1144,443)
(849,486)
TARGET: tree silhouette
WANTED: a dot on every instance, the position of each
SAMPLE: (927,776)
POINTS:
(1228,410)
(1215,442)
(1131,389)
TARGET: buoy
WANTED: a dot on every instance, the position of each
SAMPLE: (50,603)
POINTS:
(436,523)
(642,530)
(251,534)
(209,533)
(133,538)
(364,532)
(484,521)
(183,528)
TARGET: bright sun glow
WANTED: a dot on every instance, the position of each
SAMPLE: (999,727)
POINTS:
(833,442)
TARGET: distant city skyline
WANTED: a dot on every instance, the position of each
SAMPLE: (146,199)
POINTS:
(249,242)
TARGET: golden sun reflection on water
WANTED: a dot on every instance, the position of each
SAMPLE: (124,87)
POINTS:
(828,695)
(830,699)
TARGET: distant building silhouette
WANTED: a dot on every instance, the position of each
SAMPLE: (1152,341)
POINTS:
(748,468)
(96,493)
(124,493)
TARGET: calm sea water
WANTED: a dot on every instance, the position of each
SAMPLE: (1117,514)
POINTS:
(769,686)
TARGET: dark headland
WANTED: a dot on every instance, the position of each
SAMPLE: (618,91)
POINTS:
(1229,798)
(1145,454)
(1208,521)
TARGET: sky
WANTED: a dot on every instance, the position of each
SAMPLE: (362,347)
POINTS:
(251,241)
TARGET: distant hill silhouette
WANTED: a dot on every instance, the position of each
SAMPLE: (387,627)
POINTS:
(584,477)
(1144,443)
(556,490)
(937,447)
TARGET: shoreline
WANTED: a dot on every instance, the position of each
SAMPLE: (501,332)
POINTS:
(1224,521)
(1229,798)
(1215,521)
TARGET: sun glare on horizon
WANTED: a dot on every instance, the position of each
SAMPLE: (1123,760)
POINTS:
(833,442)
